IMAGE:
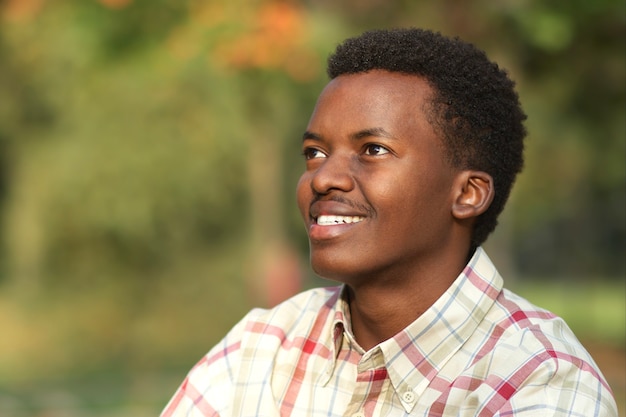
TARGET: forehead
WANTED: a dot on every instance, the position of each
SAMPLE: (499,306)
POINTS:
(374,98)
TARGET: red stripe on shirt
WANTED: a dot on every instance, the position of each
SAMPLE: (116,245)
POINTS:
(300,370)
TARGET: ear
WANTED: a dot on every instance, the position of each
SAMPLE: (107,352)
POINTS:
(474,194)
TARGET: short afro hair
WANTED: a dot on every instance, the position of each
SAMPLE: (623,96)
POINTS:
(475,107)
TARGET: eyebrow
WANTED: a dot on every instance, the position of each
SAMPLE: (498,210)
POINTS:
(374,131)
(311,136)
(361,134)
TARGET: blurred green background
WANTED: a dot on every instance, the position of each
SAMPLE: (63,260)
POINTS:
(149,152)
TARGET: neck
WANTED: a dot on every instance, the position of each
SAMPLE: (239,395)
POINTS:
(381,308)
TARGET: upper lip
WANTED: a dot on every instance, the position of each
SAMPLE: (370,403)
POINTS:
(333,208)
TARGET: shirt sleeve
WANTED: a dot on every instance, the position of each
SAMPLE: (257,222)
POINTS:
(564,387)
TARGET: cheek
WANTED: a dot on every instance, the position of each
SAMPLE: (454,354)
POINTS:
(410,195)
(397,190)
(303,194)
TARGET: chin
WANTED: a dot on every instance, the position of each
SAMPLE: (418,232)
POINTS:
(326,273)
(326,269)
(334,270)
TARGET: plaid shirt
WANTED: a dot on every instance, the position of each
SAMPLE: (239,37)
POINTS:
(479,350)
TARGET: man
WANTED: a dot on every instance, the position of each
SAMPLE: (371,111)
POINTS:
(410,153)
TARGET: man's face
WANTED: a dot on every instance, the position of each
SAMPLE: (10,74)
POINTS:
(376,194)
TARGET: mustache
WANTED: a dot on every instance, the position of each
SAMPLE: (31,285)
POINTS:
(362,208)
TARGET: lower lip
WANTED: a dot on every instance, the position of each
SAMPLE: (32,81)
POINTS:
(319,233)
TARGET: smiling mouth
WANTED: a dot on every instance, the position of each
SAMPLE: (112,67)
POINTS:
(334,220)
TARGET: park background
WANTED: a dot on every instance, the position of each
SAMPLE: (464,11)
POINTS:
(149,152)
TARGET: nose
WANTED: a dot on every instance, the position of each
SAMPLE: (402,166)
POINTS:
(334,173)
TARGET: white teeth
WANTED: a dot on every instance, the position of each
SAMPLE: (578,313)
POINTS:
(331,220)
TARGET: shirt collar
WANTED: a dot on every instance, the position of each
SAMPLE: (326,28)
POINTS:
(415,356)
(340,324)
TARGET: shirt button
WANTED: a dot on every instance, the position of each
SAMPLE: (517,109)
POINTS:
(408,397)
(359,414)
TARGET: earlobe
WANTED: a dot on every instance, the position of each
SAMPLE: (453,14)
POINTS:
(474,194)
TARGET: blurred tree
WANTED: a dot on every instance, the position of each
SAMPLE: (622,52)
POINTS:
(138,189)
(570,217)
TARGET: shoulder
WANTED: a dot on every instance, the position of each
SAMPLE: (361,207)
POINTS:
(249,351)
(523,322)
(287,319)
(538,352)
(522,325)
(298,312)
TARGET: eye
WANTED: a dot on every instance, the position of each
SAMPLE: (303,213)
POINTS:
(313,153)
(375,149)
